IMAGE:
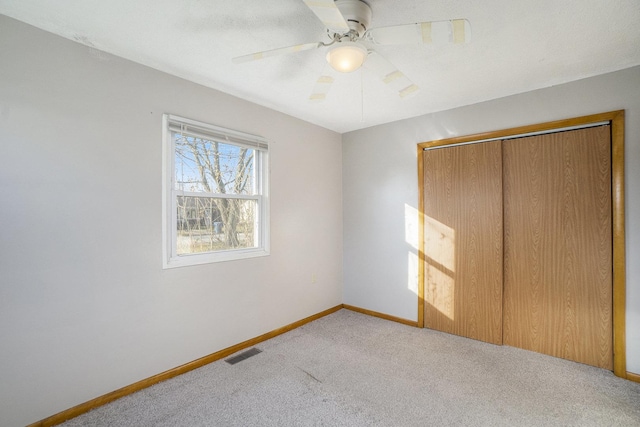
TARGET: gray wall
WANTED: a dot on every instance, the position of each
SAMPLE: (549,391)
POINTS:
(85,306)
(380,188)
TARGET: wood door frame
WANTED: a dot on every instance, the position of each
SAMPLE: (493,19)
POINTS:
(616,121)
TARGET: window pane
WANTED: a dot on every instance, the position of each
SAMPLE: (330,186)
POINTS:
(213,167)
(208,224)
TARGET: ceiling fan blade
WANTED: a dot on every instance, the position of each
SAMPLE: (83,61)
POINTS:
(437,32)
(390,75)
(274,52)
(322,87)
(329,14)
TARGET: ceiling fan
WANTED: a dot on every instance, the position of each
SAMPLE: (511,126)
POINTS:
(350,42)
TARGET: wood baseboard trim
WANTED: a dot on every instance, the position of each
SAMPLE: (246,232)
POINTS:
(633,377)
(190,366)
(381,315)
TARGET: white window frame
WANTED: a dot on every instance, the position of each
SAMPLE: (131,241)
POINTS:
(210,132)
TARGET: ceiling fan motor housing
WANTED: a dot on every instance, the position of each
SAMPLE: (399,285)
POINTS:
(357,14)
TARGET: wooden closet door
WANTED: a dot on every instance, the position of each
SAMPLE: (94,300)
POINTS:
(463,240)
(557,245)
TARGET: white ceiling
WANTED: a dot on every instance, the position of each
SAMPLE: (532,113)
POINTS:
(516,46)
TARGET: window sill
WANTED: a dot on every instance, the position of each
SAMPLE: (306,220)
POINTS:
(211,258)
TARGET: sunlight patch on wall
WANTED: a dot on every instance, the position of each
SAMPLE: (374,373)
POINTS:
(411,226)
(411,229)
(412,272)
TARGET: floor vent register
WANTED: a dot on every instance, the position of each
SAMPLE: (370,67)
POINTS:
(243,356)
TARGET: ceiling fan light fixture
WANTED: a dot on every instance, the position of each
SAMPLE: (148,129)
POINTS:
(346,57)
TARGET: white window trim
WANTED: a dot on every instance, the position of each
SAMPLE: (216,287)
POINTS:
(170,259)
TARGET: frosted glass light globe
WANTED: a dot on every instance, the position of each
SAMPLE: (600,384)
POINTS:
(346,56)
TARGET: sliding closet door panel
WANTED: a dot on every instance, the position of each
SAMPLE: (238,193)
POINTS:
(463,240)
(557,245)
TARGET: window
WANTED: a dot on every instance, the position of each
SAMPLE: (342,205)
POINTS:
(215,195)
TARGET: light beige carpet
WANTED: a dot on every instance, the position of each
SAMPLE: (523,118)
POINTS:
(349,369)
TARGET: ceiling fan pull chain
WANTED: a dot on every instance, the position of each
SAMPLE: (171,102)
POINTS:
(361,97)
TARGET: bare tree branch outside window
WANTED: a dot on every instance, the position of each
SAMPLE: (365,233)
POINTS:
(220,219)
